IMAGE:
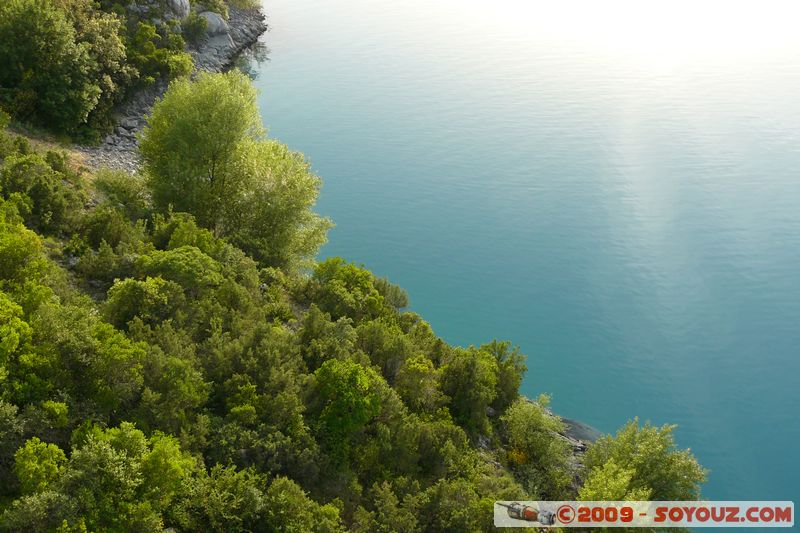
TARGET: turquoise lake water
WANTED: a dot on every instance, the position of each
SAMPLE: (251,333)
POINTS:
(616,191)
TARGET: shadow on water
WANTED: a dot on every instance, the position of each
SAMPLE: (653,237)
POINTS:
(251,60)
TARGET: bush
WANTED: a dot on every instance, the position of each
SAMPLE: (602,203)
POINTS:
(537,454)
(646,458)
(156,55)
(46,72)
(64,63)
(204,153)
(153,300)
(123,191)
(194,28)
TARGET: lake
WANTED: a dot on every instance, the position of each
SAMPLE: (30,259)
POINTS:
(614,187)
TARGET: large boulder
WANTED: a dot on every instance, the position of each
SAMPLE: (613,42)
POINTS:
(215,24)
(180,8)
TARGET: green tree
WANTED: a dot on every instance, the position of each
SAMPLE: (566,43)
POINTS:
(221,500)
(345,289)
(418,384)
(153,300)
(196,143)
(510,370)
(101,34)
(346,400)
(386,345)
(15,335)
(612,482)
(37,464)
(648,458)
(48,73)
(288,508)
(205,153)
(21,256)
(321,339)
(157,55)
(539,456)
(275,223)
(470,380)
(53,199)
(11,437)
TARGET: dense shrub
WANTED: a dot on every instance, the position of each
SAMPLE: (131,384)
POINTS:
(157,55)
(194,28)
(47,72)
(153,376)
(205,154)
(67,63)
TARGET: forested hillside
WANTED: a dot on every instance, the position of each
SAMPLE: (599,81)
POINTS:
(172,355)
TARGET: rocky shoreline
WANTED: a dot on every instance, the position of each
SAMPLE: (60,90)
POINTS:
(224,43)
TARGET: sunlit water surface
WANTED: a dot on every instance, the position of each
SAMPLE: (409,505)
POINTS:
(613,188)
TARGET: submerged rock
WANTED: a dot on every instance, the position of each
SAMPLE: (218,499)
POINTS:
(580,431)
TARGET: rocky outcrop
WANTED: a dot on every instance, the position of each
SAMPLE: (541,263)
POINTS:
(215,24)
(160,9)
(224,42)
(180,8)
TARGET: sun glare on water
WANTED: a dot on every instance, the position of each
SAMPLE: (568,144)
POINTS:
(655,34)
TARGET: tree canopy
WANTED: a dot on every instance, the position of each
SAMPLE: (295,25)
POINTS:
(205,153)
(167,365)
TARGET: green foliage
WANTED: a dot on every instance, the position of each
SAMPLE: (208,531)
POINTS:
(221,500)
(101,34)
(346,393)
(153,300)
(275,224)
(346,290)
(204,153)
(612,482)
(197,379)
(67,64)
(537,453)
(470,380)
(321,339)
(394,295)
(510,370)
(288,508)
(194,145)
(20,251)
(51,194)
(418,384)
(123,191)
(107,224)
(194,28)
(645,461)
(386,345)
(157,55)
(15,335)
(37,464)
(46,70)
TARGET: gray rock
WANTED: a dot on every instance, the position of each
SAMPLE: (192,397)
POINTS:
(179,7)
(216,25)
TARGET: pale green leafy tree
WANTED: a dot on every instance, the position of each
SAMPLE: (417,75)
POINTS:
(37,464)
(195,144)
(651,458)
(205,153)
(537,453)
